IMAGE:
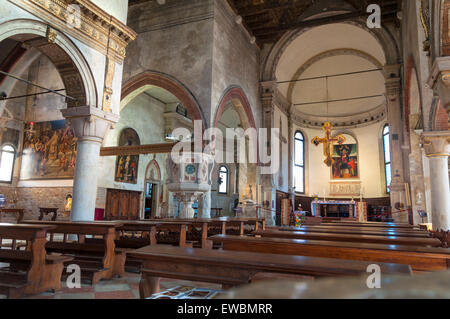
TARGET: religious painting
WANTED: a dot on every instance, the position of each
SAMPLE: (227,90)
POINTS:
(127,165)
(49,151)
(345,160)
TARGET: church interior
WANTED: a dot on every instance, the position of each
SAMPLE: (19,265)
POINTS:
(312,128)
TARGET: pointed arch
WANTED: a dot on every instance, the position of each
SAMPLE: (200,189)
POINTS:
(153,167)
(236,93)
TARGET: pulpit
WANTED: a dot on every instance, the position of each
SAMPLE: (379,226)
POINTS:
(189,178)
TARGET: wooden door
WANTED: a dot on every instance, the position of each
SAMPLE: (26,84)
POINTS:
(122,205)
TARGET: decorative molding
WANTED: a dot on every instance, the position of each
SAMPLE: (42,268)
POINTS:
(109,77)
(445,40)
(436,144)
(96,28)
(376,115)
(345,188)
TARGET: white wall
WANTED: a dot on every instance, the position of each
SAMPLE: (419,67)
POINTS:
(116,8)
(146,117)
(371,171)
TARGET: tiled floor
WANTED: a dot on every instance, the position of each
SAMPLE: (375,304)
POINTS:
(118,288)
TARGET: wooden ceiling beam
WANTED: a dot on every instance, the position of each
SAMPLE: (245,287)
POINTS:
(163,148)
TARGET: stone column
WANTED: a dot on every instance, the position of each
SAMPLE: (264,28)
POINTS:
(90,126)
(291,159)
(397,187)
(204,205)
(437,149)
(267,182)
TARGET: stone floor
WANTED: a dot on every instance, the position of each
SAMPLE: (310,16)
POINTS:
(118,288)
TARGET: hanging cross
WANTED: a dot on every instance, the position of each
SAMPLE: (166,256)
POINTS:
(328,143)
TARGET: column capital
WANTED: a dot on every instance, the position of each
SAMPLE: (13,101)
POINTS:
(268,89)
(439,80)
(436,144)
(392,71)
(393,81)
(439,71)
(89,123)
(393,89)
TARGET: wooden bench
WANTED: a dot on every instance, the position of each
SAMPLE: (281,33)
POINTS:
(30,270)
(356,230)
(231,268)
(20,213)
(98,258)
(358,238)
(419,258)
(367,224)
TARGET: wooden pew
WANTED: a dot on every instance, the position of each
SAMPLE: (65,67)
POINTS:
(20,213)
(419,258)
(358,238)
(174,233)
(367,224)
(231,268)
(98,258)
(224,224)
(30,271)
(356,230)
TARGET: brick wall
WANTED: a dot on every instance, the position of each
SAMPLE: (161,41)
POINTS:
(31,199)
(441,119)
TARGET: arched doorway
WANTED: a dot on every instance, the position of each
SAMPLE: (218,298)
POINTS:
(45,73)
(153,104)
(234,112)
(153,190)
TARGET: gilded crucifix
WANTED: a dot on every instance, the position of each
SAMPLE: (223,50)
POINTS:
(328,141)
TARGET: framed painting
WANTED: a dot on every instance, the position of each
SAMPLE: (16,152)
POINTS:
(127,165)
(49,151)
(345,162)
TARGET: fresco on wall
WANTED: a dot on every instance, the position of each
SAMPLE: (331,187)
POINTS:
(49,151)
(345,161)
(127,165)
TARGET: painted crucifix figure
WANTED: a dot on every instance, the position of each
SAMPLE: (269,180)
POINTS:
(328,141)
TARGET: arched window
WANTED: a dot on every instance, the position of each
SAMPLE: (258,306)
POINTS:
(223,180)
(299,163)
(7,157)
(387,157)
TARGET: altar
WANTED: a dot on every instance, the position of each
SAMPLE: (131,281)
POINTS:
(340,209)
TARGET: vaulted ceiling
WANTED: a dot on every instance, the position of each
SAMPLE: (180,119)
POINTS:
(267,20)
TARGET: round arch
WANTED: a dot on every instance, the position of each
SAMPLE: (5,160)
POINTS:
(63,53)
(382,35)
(235,93)
(327,54)
(168,83)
